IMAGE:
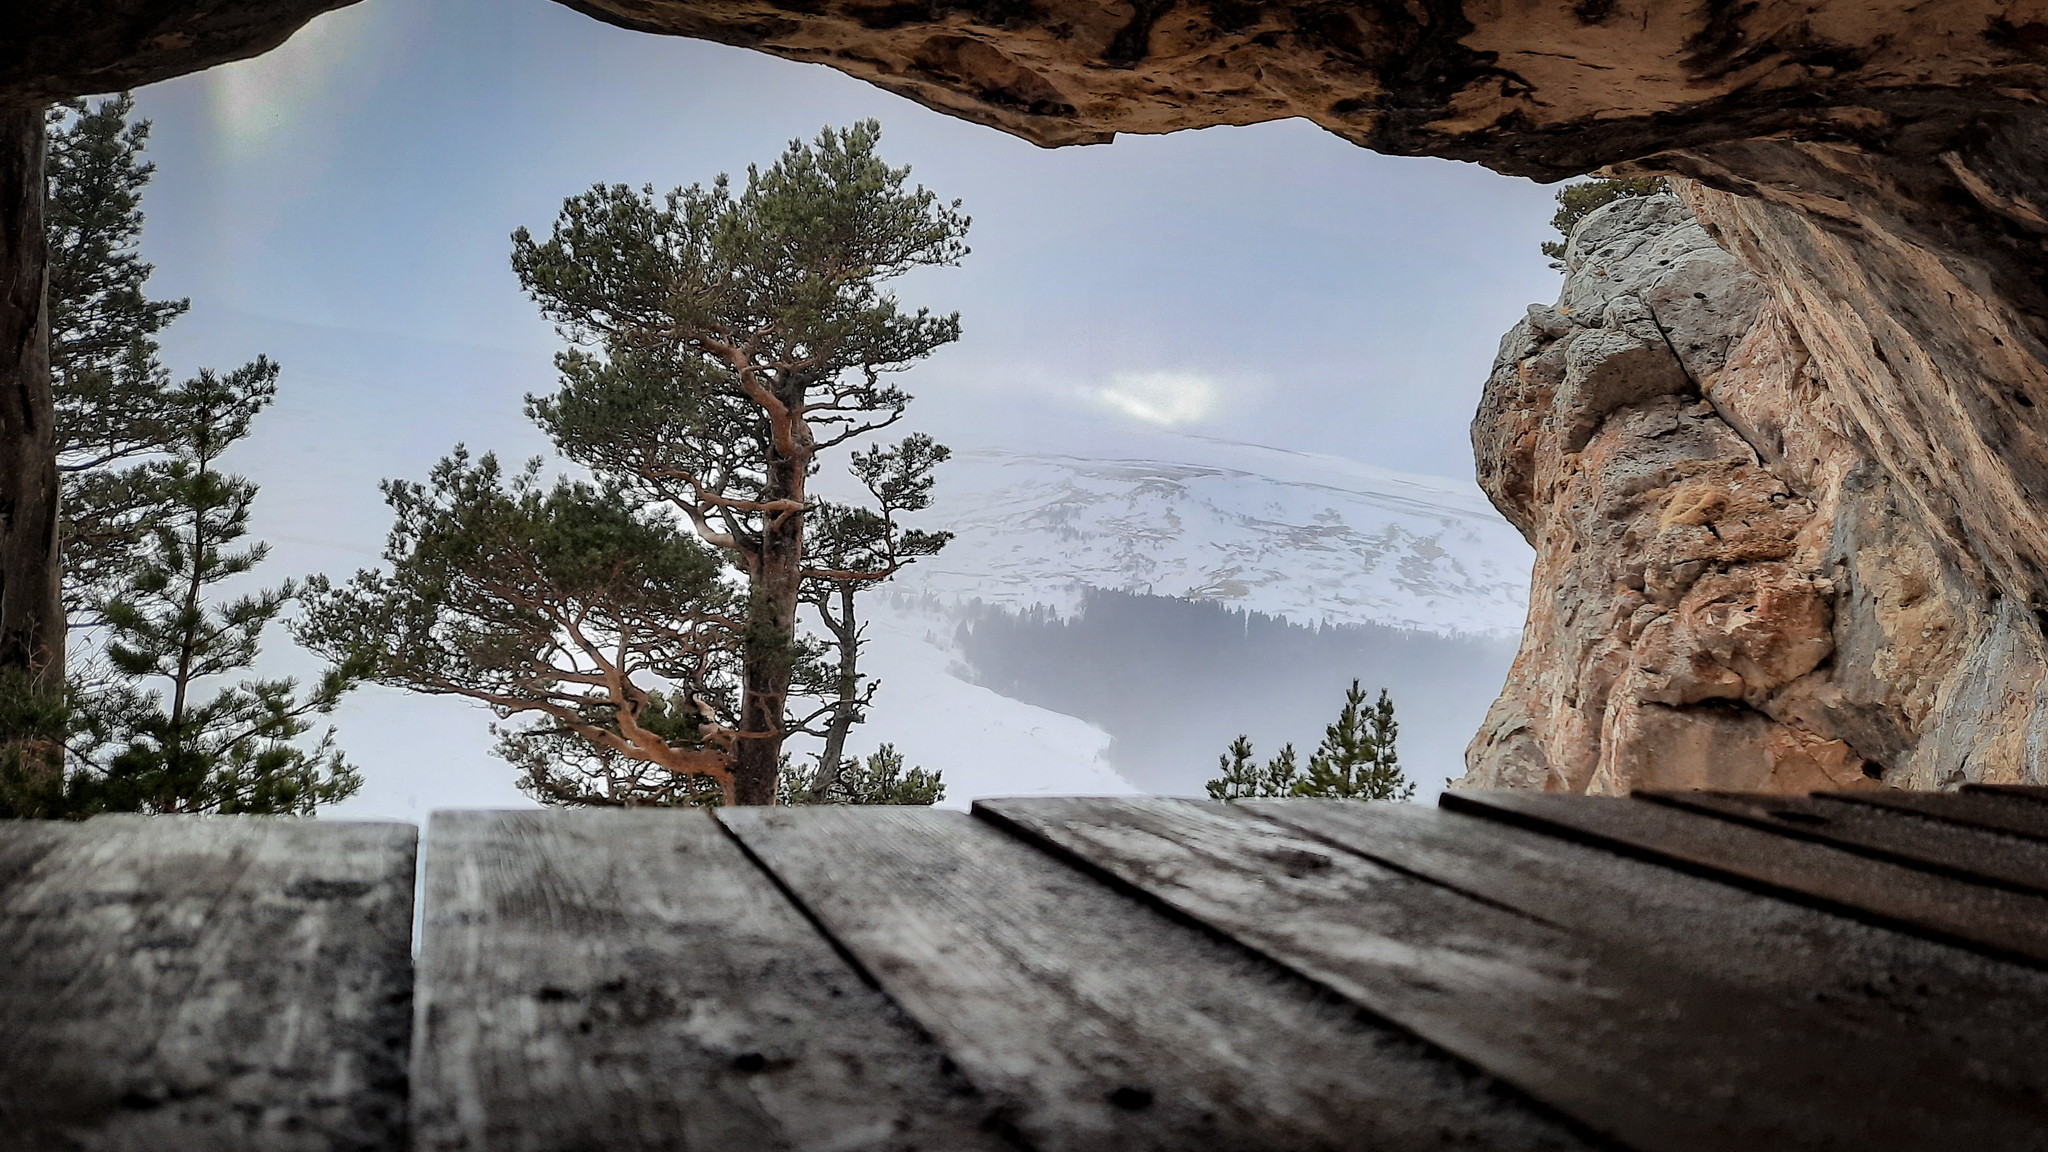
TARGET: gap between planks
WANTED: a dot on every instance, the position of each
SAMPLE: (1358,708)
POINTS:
(1996,921)
(1097,1023)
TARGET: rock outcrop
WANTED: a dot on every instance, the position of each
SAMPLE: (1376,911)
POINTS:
(1727,592)
(55,49)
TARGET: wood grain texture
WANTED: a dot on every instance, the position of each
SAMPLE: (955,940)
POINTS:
(2011,925)
(626,980)
(1909,995)
(1971,809)
(1652,1058)
(1094,1022)
(204,983)
(1950,849)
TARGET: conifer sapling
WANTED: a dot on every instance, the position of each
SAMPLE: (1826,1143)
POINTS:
(167,741)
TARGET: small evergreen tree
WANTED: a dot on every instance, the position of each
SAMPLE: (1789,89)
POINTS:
(146,526)
(1356,760)
(105,385)
(172,747)
(880,780)
(1239,776)
(1577,201)
(851,549)
(34,725)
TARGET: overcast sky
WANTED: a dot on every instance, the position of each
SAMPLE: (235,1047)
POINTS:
(344,203)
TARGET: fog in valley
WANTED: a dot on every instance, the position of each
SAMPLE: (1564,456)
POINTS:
(1174,681)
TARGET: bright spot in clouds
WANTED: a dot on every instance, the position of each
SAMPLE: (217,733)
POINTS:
(1167,399)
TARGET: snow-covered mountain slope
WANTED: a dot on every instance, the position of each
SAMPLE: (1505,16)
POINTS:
(1313,539)
(1307,537)
(985,743)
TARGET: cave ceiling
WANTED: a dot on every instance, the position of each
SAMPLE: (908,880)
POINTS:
(1540,89)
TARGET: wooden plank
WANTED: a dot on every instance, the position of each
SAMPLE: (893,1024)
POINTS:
(1950,849)
(1974,810)
(2031,792)
(204,983)
(628,980)
(2001,923)
(1651,1058)
(1099,1024)
(1927,997)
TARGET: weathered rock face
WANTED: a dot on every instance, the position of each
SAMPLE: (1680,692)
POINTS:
(53,49)
(1727,593)
(1548,88)
(1545,89)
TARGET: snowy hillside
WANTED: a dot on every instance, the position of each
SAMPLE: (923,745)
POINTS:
(987,744)
(1311,538)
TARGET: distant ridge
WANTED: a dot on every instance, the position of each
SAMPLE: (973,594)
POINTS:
(1306,537)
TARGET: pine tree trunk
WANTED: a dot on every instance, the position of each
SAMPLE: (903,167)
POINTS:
(769,642)
(31,609)
(846,632)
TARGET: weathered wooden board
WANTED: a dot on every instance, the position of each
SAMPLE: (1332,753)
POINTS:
(1916,994)
(1951,849)
(204,983)
(1099,1024)
(628,980)
(1992,813)
(2000,922)
(2033,792)
(1652,1058)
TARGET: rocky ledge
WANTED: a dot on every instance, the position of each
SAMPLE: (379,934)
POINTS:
(1727,592)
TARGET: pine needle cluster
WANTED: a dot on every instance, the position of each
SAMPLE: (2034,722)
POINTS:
(881,779)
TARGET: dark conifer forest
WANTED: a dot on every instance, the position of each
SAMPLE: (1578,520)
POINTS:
(1172,681)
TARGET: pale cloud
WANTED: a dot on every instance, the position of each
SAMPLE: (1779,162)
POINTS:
(1166,399)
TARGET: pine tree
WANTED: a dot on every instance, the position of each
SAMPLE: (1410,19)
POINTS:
(850,550)
(144,515)
(563,605)
(725,340)
(34,781)
(1356,760)
(113,397)
(880,780)
(104,380)
(161,743)
(1239,777)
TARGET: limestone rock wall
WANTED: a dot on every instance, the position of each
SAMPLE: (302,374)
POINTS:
(1728,592)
